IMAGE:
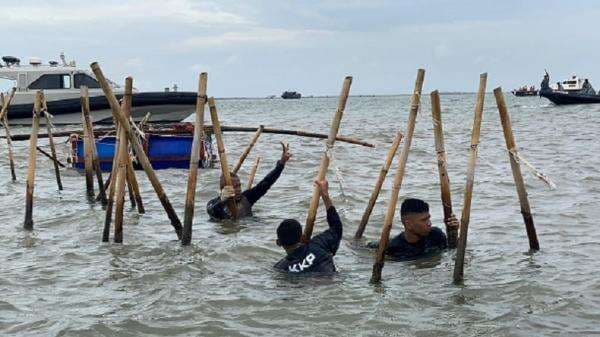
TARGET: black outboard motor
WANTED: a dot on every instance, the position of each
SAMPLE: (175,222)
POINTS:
(11,60)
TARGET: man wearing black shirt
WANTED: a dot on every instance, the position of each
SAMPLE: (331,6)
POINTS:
(317,254)
(217,207)
(419,237)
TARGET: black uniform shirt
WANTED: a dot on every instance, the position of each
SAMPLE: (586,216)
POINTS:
(400,249)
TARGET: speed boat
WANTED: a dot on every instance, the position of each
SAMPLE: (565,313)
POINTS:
(61,83)
(571,91)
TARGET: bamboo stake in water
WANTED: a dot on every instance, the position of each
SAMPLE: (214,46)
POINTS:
(4,119)
(51,142)
(139,151)
(135,188)
(438,132)
(335,125)
(111,187)
(399,175)
(375,194)
(253,172)
(121,170)
(190,196)
(516,170)
(88,163)
(85,110)
(35,125)
(222,154)
(466,211)
(248,149)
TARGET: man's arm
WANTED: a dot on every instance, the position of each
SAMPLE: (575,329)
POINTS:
(256,192)
(329,239)
(451,224)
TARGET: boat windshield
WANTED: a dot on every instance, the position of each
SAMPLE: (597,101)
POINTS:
(7,84)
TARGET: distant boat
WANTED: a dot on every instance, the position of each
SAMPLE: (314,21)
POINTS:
(525,91)
(572,91)
(291,95)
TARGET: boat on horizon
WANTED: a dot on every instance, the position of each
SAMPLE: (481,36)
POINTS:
(572,91)
(525,91)
(61,83)
(291,95)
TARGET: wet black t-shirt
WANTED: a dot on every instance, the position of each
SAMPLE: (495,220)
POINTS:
(400,249)
(218,210)
(317,254)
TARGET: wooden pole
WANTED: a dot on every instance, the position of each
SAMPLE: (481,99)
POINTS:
(88,163)
(438,133)
(51,142)
(222,154)
(466,211)
(253,172)
(240,161)
(121,171)
(135,188)
(139,151)
(375,194)
(335,125)
(111,187)
(35,125)
(4,119)
(190,196)
(399,175)
(516,170)
(130,190)
(85,110)
(50,157)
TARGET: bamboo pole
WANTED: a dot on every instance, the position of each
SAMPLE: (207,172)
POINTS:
(335,125)
(253,172)
(398,177)
(49,156)
(466,211)
(248,148)
(198,140)
(121,171)
(130,190)
(35,125)
(85,110)
(438,132)
(139,151)
(222,154)
(132,179)
(88,163)
(111,185)
(48,117)
(375,194)
(511,146)
(4,119)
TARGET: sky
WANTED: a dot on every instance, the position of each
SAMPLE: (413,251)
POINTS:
(256,48)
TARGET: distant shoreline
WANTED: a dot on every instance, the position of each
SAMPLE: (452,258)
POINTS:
(334,96)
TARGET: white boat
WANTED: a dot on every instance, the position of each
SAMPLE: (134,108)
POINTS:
(61,84)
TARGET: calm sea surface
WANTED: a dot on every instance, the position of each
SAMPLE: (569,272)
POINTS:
(60,280)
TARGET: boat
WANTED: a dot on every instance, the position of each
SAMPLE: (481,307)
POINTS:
(572,91)
(165,151)
(525,91)
(291,95)
(61,83)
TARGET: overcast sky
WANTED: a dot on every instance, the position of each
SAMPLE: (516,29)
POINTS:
(259,48)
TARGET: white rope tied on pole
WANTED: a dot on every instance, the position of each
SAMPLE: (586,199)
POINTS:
(519,158)
(338,172)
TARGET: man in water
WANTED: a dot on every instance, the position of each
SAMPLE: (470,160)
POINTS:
(317,254)
(419,237)
(217,207)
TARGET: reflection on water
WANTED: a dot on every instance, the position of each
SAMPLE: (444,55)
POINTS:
(61,280)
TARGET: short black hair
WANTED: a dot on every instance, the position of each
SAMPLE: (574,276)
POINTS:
(411,205)
(289,232)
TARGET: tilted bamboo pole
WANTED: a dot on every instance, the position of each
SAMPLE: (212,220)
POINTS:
(135,188)
(130,190)
(139,151)
(335,125)
(85,111)
(466,211)
(375,194)
(438,132)
(88,163)
(121,172)
(399,175)
(248,148)
(511,146)
(198,140)
(222,154)
(111,187)
(48,117)
(35,125)
(4,119)
(49,156)
(253,172)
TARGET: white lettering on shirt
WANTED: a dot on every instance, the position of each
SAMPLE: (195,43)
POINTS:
(306,263)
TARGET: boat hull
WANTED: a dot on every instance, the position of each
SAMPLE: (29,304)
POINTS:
(559,98)
(164,107)
(163,151)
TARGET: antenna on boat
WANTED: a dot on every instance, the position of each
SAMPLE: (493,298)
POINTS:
(63,59)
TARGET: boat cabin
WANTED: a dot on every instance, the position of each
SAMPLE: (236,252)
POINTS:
(573,84)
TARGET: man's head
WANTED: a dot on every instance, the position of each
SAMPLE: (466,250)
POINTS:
(289,233)
(415,217)
(235,181)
